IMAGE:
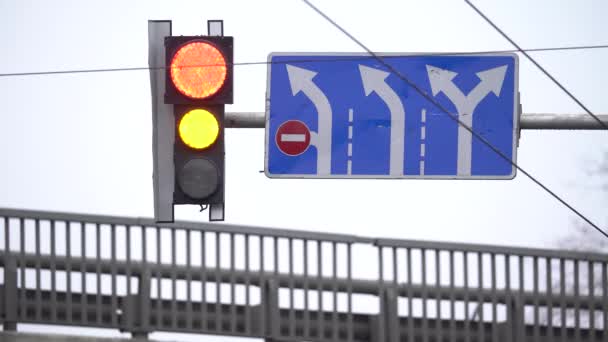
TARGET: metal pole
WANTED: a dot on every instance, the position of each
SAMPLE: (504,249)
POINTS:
(527,121)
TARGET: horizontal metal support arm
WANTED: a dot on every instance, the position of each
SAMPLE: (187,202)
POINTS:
(527,121)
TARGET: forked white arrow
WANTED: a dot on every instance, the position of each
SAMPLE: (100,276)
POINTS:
(491,81)
(374,81)
(301,81)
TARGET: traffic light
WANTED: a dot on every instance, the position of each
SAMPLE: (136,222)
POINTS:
(199,84)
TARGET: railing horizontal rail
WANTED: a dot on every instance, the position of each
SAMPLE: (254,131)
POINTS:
(185,225)
(362,323)
(493,249)
(212,274)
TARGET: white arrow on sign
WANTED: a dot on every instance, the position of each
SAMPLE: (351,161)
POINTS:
(374,81)
(491,81)
(301,81)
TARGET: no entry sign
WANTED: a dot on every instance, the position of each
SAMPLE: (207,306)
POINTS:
(293,137)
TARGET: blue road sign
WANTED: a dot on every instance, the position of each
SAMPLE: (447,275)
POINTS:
(348,116)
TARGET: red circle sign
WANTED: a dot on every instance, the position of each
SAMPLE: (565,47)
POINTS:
(293,137)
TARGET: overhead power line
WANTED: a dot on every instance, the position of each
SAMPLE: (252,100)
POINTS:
(454,117)
(519,49)
(340,59)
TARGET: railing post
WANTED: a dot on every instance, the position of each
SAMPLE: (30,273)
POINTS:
(516,320)
(270,300)
(141,320)
(391,316)
(386,325)
(10,293)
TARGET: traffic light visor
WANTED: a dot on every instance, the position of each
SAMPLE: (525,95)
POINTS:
(198,129)
(198,70)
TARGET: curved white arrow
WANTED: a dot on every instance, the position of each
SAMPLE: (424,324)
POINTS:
(301,81)
(374,81)
(491,81)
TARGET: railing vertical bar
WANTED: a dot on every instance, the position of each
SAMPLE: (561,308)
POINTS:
(605,301)
(159,295)
(335,291)
(395,289)
(562,294)
(22,283)
(438,328)
(509,331)
(173,278)
(83,275)
(521,320)
(577,307)
(549,290)
(22,286)
(425,319)
(218,285)
(307,333)
(382,333)
(113,275)
(292,317)
(98,312)
(189,315)
(536,276)
(275,247)
(265,301)
(128,273)
(38,289)
(320,332)
(480,325)
(203,281)
(53,270)
(9,305)
(248,329)
(467,323)
(68,271)
(591,295)
(349,278)
(494,302)
(145,315)
(232,286)
(452,332)
(410,302)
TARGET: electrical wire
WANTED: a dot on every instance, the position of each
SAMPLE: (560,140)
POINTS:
(340,59)
(454,117)
(519,49)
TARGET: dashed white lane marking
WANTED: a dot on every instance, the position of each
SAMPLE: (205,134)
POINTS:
(349,163)
(422,140)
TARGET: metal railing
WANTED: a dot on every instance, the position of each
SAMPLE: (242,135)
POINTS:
(137,276)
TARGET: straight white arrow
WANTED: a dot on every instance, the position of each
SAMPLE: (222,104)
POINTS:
(301,81)
(374,81)
(491,81)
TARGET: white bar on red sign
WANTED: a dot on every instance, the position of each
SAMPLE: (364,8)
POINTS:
(293,137)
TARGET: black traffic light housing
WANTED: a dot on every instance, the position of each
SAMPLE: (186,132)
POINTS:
(199,173)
